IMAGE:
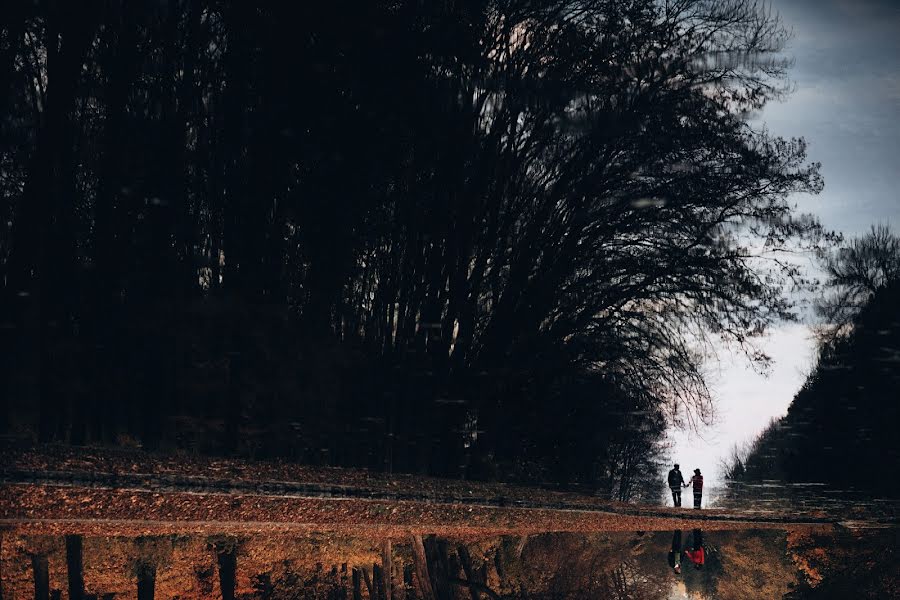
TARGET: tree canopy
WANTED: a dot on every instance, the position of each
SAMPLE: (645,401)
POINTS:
(397,234)
(855,272)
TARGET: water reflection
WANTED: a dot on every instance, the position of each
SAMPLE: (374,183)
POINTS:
(675,552)
(664,565)
(695,552)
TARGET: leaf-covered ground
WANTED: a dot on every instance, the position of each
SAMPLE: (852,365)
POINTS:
(62,489)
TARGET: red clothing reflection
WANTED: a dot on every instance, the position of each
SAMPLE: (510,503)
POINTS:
(698,556)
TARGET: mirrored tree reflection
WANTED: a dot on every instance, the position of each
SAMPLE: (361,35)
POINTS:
(640,565)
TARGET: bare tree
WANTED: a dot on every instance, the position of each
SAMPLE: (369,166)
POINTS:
(856,271)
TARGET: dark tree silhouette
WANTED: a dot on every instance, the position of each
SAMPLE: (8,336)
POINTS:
(856,271)
(840,426)
(393,235)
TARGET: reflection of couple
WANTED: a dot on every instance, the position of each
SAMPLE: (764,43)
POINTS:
(675,552)
(676,482)
(694,554)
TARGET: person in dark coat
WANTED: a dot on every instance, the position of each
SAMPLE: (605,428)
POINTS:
(675,552)
(676,480)
(697,482)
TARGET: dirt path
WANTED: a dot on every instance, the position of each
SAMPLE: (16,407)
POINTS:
(65,490)
(54,509)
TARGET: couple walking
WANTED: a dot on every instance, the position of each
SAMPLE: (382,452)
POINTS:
(693,552)
(676,482)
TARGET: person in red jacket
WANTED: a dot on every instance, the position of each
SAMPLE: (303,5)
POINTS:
(696,554)
(697,482)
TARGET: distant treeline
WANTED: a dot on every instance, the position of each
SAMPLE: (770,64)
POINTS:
(481,239)
(841,428)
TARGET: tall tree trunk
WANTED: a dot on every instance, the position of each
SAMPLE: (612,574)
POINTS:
(179,107)
(112,216)
(386,569)
(233,400)
(75,567)
(42,252)
(421,563)
(227,572)
(41,572)
(11,36)
(238,270)
(409,583)
(378,577)
(466,560)
(146,581)
(357,584)
(370,587)
(399,587)
(437,553)
(236,204)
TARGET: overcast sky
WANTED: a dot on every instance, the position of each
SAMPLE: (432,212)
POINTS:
(847,106)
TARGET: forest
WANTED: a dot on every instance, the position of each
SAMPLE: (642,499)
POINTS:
(840,429)
(492,239)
